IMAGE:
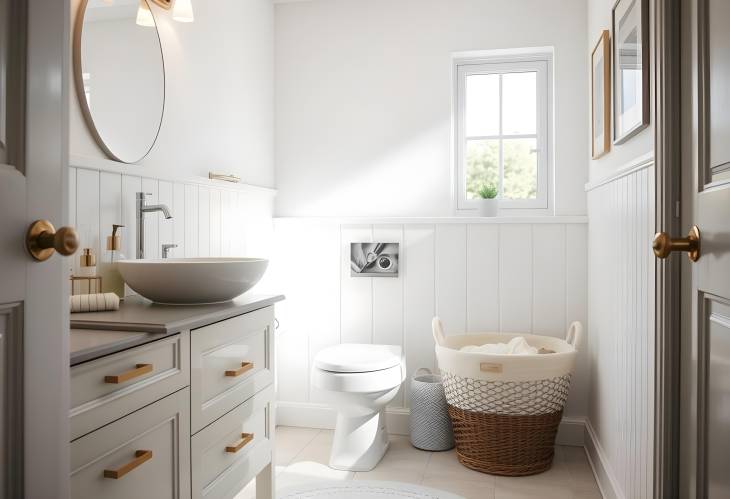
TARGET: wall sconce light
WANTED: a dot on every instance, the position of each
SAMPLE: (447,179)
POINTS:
(183,11)
(144,15)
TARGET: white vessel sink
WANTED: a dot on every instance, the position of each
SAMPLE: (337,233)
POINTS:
(192,280)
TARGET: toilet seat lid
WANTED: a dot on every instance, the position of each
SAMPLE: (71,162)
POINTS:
(358,358)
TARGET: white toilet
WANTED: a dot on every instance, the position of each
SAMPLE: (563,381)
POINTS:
(359,381)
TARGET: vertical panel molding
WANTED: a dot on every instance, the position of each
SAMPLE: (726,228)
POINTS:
(621,325)
(11,399)
(530,277)
(207,220)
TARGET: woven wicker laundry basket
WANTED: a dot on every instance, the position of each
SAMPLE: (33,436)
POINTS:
(505,409)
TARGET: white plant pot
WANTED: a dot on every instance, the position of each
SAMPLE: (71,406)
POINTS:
(488,207)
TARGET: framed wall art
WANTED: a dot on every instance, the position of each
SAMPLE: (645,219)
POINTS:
(630,47)
(601,97)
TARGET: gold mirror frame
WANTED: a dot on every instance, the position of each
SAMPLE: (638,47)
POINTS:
(165,4)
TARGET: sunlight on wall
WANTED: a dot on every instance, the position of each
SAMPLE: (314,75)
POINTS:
(377,186)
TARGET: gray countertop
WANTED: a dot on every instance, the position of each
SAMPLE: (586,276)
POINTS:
(139,321)
(141,315)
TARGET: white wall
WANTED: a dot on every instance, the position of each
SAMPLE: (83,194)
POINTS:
(599,18)
(621,321)
(363,129)
(477,275)
(363,99)
(220,95)
(209,218)
(621,309)
(218,117)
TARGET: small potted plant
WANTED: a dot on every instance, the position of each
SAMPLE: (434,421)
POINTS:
(488,202)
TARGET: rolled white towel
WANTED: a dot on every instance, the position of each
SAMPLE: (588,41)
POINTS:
(94,303)
(516,346)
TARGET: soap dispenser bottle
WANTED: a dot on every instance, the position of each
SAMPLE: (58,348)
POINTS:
(109,270)
(87,263)
(85,279)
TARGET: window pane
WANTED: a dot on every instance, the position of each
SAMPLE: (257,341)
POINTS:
(519,99)
(482,165)
(482,105)
(520,169)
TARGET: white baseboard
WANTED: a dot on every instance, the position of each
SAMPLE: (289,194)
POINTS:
(571,432)
(304,415)
(310,415)
(601,468)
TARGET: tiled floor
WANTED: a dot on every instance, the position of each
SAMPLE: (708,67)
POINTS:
(302,455)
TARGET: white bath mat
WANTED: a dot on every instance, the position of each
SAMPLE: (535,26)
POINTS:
(363,490)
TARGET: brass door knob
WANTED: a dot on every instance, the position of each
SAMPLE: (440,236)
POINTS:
(42,240)
(664,245)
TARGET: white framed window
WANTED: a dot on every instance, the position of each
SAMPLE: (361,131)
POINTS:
(502,129)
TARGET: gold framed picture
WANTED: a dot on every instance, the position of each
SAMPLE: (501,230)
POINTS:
(601,97)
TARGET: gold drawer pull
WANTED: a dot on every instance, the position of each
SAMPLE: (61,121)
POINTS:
(245,366)
(138,371)
(140,456)
(245,439)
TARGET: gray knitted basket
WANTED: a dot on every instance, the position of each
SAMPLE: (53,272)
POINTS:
(430,425)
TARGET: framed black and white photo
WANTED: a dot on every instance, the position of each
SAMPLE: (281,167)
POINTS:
(374,259)
(630,42)
(601,97)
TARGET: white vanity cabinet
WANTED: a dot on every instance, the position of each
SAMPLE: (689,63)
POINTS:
(104,388)
(230,361)
(145,454)
(229,452)
(186,413)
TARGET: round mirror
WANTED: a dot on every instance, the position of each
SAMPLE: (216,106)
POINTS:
(120,75)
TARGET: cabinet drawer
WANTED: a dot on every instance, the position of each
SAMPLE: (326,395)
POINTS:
(148,451)
(105,389)
(230,361)
(227,454)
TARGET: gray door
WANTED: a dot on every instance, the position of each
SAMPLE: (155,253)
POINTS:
(705,343)
(34,40)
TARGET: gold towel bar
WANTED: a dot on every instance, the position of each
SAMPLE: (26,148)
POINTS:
(226,178)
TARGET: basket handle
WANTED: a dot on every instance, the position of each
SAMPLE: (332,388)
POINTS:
(422,370)
(575,335)
(438,331)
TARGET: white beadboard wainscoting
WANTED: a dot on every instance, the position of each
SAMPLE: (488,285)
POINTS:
(521,275)
(621,323)
(209,219)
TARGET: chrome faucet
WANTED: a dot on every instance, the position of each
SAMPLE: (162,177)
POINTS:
(166,248)
(143,208)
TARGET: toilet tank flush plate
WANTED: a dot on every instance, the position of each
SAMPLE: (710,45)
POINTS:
(374,259)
